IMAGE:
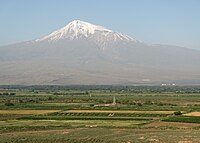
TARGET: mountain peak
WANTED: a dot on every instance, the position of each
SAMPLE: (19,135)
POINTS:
(74,29)
(80,29)
(84,27)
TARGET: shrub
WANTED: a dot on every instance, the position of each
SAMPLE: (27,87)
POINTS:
(5,93)
(50,98)
(177,113)
(9,104)
(12,93)
(139,104)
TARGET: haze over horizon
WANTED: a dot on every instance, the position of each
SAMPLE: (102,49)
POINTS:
(158,22)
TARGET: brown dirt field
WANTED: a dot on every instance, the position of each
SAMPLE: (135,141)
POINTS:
(63,131)
(10,116)
(192,114)
(185,142)
(172,124)
(118,111)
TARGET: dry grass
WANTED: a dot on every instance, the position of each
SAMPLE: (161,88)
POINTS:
(27,112)
(118,111)
(192,114)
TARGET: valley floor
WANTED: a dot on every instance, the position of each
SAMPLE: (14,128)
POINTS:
(88,115)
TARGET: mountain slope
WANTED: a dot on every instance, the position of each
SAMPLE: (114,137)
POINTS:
(83,53)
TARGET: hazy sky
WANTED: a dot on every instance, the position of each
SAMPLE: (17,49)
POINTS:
(174,22)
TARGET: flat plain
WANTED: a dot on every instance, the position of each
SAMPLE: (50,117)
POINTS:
(109,114)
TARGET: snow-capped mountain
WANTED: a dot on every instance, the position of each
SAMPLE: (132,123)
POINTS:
(83,30)
(84,53)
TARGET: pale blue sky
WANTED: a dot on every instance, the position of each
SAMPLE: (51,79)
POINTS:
(174,22)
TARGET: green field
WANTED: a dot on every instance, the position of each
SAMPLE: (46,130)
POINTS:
(74,114)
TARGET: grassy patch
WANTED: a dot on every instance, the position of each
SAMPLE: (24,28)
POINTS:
(118,111)
(27,112)
(185,119)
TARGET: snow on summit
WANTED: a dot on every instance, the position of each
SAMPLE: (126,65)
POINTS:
(80,29)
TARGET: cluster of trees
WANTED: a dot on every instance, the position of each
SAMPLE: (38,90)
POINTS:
(9,104)
(71,93)
(6,93)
